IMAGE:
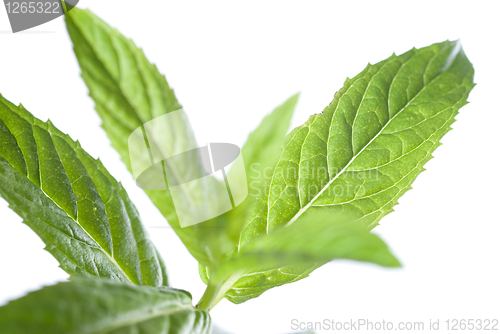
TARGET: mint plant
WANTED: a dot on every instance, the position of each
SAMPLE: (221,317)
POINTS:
(333,178)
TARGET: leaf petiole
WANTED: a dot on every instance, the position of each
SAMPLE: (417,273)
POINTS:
(216,291)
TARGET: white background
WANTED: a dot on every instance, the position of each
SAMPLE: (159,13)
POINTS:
(232,62)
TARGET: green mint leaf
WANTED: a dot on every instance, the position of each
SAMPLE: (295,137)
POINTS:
(128,92)
(264,143)
(358,157)
(103,306)
(82,214)
(259,154)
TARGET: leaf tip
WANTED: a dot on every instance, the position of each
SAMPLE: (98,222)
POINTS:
(395,263)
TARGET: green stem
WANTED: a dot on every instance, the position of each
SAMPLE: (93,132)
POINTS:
(206,302)
(216,291)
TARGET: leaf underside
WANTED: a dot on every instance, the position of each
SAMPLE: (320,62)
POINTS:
(82,214)
(315,238)
(103,306)
(358,157)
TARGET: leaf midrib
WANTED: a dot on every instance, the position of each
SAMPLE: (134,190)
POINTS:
(110,257)
(141,316)
(90,236)
(75,221)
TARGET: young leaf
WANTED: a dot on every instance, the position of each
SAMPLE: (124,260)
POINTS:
(81,213)
(359,156)
(313,240)
(264,143)
(103,306)
(259,154)
(128,92)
